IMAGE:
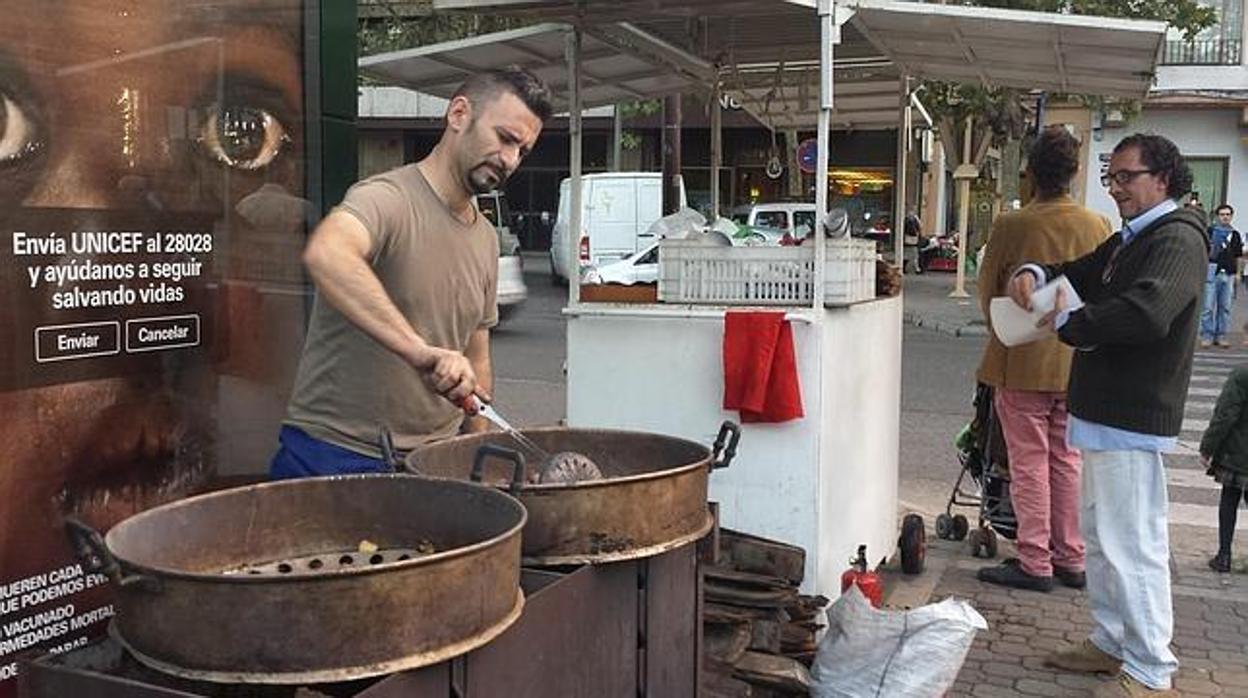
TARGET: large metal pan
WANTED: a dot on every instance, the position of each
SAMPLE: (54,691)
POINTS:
(651,499)
(314,580)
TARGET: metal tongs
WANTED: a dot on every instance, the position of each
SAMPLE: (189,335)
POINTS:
(475,405)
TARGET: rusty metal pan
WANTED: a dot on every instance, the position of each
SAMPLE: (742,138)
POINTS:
(314,580)
(651,498)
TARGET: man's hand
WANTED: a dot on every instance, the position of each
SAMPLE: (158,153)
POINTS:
(1050,318)
(1020,289)
(449,374)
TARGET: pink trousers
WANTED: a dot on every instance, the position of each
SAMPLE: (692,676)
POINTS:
(1044,480)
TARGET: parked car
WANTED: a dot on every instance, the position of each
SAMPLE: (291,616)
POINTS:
(618,210)
(511,289)
(795,218)
(639,268)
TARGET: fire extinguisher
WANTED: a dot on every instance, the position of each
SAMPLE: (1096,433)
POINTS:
(868,582)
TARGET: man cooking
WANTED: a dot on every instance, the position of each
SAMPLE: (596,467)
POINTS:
(405,268)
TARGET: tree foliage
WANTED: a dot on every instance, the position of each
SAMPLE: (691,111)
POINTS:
(998,114)
(1187,16)
(397,31)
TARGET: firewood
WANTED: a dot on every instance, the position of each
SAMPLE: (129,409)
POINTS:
(718,682)
(726,642)
(771,671)
(745,596)
(747,553)
(724,612)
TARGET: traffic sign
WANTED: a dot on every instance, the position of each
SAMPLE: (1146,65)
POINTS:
(807,154)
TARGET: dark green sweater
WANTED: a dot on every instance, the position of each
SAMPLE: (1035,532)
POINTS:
(1226,439)
(1135,335)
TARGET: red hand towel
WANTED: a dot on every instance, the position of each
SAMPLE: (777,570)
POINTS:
(760,367)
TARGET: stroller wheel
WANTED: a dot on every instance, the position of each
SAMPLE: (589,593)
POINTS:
(944,527)
(913,544)
(960,527)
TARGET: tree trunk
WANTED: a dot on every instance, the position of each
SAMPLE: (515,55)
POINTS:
(1011,158)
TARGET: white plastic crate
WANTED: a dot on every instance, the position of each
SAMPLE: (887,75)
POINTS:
(696,273)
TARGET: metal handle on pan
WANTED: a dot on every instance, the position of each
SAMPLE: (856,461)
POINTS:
(95,556)
(725,444)
(502,453)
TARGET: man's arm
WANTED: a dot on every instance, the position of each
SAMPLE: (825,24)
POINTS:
(1028,277)
(337,260)
(1145,310)
(478,353)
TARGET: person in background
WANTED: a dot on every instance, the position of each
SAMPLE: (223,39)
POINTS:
(912,236)
(1194,204)
(1224,452)
(1030,380)
(1133,337)
(1226,246)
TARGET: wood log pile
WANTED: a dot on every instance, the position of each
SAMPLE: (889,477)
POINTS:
(758,631)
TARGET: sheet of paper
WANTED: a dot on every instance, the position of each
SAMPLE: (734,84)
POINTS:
(1015,326)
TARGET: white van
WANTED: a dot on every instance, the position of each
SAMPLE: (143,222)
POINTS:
(618,210)
(795,218)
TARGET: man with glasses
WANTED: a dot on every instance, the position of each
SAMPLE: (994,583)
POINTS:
(1133,337)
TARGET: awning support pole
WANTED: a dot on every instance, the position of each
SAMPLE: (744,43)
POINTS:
(828,35)
(575,224)
(900,178)
(964,213)
(717,145)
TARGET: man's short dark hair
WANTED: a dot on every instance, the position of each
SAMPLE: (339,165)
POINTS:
(1161,156)
(1224,207)
(487,85)
(1053,161)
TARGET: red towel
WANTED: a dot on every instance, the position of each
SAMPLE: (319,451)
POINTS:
(760,367)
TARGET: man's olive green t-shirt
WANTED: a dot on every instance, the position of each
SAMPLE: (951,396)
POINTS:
(441,274)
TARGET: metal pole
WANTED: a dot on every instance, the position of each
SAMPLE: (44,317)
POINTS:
(617,140)
(964,213)
(673,116)
(575,223)
(827,36)
(899,181)
(717,146)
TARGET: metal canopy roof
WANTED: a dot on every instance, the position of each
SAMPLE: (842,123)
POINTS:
(1009,48)
(619,63)
(609,11)
(1013,48)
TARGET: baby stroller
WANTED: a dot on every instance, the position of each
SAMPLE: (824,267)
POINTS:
(983,483)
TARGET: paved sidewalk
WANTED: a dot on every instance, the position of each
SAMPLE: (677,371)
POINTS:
(1210,639)
(926,303)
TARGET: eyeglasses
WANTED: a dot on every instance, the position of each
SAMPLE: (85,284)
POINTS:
(1122,177)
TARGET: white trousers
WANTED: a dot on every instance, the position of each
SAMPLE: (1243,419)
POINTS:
(1123,517)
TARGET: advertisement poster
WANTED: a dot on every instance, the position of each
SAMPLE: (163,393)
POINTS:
(151,296)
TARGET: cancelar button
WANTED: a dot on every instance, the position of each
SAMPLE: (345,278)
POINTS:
(78,341)
(160,333)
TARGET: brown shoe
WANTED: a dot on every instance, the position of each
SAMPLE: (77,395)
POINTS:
(1124,686)
(1084,658)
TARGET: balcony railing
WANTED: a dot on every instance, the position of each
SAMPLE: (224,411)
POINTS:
(1207,52)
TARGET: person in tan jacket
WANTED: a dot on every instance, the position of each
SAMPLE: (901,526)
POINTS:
(1029,380)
